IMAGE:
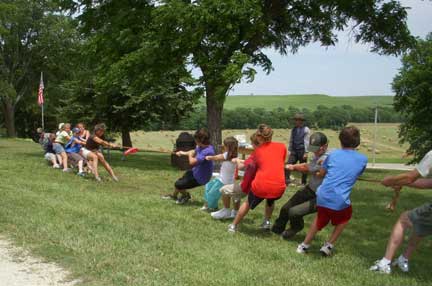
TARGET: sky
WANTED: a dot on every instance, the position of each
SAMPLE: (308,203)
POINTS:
(348,69)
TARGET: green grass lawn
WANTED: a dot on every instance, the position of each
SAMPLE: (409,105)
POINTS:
(309,101)
(124,234)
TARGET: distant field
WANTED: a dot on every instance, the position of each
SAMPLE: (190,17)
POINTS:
(389,150)
(309,101)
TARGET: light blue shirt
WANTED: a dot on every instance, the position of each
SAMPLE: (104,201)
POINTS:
(343,168)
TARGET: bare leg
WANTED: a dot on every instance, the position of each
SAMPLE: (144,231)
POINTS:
(313,230)
(226,200)
(337,232)
(244,209)
(412,245)
(397,235)
(65,160)
(105,164)
(94,162)
(268,211)
(80,166)
(236,205)
(54,162)
(59,159)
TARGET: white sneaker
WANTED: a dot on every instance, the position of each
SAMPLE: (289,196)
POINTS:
(115,179)
(402,263)
(302,248)
(266,225)
(233,213)
(326,249)
(56,166)
(221,214)
(381,267)
(232,228)
(204,208)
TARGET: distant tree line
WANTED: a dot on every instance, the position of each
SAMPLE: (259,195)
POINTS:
(323,117)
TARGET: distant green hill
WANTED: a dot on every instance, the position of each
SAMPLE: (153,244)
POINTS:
(309,101)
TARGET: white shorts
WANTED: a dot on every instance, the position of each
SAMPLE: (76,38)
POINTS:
(50,156)
(234,191)
(85,152)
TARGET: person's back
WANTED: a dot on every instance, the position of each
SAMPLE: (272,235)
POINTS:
(269,180)
(203,170)
(72,146)
(343,167)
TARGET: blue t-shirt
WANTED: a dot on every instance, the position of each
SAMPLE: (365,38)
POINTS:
(72,147)
(203,169)
(343,167)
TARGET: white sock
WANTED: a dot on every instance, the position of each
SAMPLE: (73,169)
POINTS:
(329,244)
(305,245)
(384,261)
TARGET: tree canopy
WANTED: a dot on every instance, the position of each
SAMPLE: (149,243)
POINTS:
(413,88)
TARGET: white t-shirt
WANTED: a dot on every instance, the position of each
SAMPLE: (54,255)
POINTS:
(425,165)
(227,171)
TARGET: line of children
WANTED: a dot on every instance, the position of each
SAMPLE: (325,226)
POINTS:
(77,148)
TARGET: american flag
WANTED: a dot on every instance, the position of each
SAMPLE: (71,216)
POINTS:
(41,90)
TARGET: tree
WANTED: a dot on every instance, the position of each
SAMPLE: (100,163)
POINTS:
(226,39)
(138,80)
(413,88)
(34,37)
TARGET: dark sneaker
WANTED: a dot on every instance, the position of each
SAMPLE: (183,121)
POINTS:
(277,229)
(289,234)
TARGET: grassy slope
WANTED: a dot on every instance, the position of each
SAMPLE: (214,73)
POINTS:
(123,234)
(310,101)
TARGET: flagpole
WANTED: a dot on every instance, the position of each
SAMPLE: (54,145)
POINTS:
(42,107)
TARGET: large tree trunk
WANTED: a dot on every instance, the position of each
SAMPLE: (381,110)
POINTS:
(9,117)
(214,117)
(126,139)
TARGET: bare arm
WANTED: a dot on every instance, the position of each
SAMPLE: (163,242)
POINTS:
(421,184)
(403,179)
(304,168)
(239,162)
(219,157)
(104,143)
(321,173)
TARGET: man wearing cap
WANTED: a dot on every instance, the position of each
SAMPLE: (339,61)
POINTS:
(303,202)
(298,146)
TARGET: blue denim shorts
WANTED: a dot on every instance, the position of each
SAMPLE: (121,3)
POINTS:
(58,148)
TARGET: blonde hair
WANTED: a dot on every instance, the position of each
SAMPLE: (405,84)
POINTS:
(264,132)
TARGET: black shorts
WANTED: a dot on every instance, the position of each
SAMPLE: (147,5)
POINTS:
(254,201)
(187,181)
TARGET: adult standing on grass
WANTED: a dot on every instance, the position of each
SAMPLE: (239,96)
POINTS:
(202,169)
(93,153)
(419,220)
(298,146)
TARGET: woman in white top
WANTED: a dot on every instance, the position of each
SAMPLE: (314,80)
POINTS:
(226,176)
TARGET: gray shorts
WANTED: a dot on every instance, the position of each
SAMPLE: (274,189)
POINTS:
(234,191)
(58,148)
(74,158)
(421,219)
(50,156)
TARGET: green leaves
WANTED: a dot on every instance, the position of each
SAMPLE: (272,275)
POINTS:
(413,88)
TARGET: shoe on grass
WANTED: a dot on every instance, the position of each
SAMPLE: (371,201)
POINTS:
(302,248)
(326,249)
(115,179)
(266,225)
(56,166)
(232,228)
(233,214)
(168,197)
(402,263)
(81,174)
(381,267)
(183,199)
(288,234)
(67,170)
(221,214)
(98,179)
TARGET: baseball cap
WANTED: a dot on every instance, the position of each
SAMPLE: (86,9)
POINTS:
(76,130)
(317,140)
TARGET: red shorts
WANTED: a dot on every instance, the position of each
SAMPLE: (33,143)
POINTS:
(326,215)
